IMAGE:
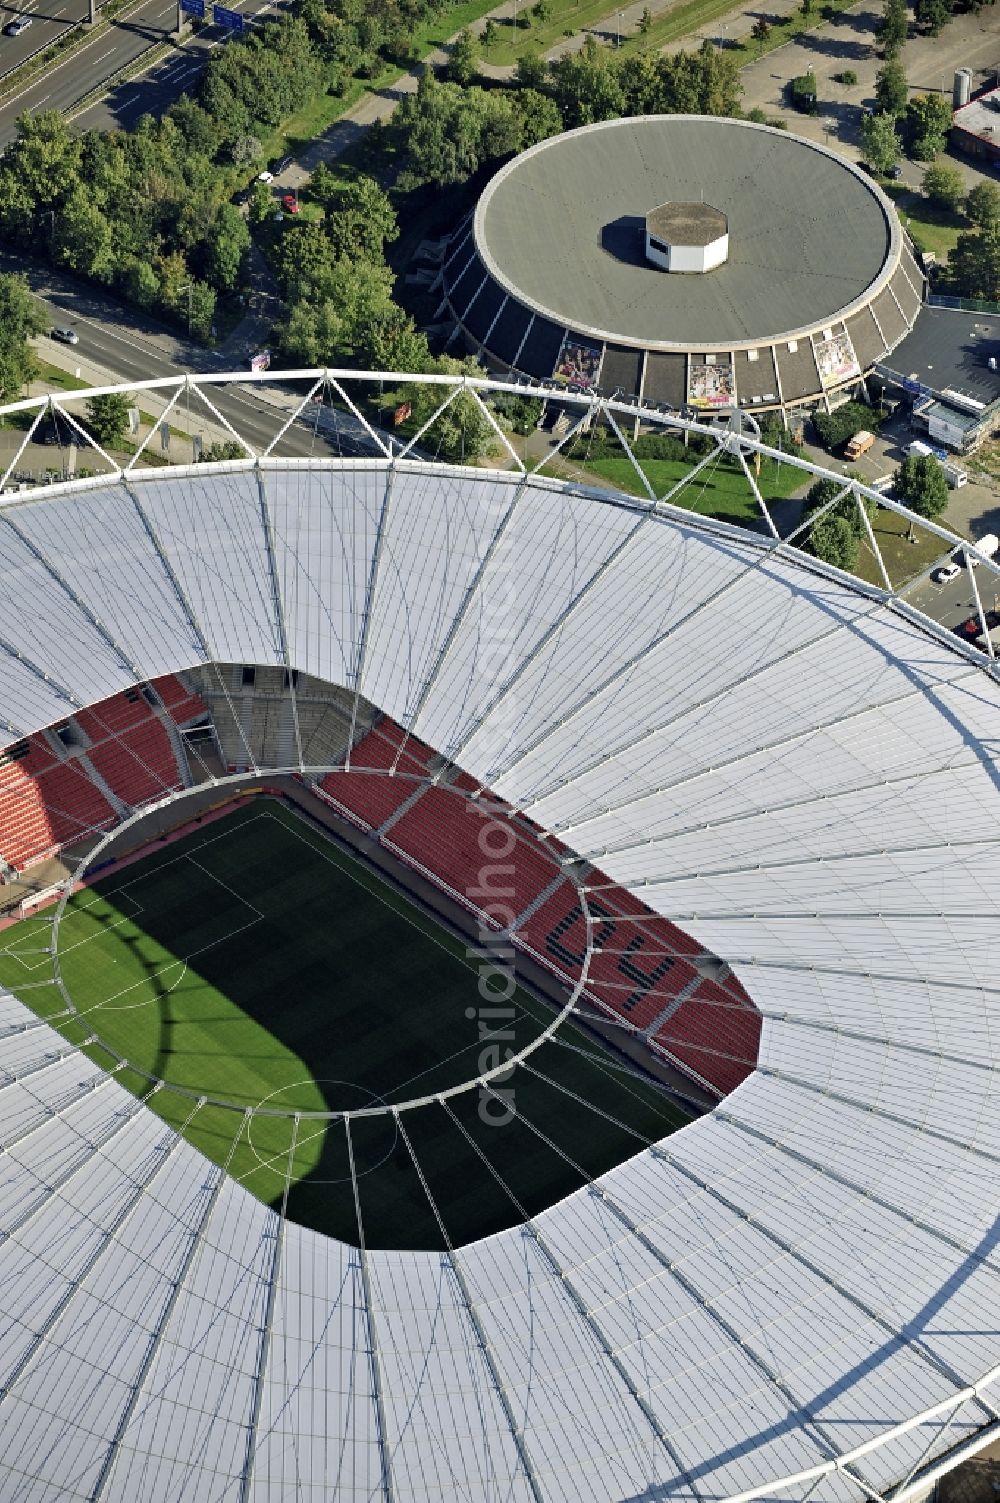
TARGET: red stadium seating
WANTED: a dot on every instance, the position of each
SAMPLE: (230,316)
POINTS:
(443,832)
(139,765)
(130,748)
(372,799)
(181,705)
(716,1033)
(636,970)
(45,803)
(641,968)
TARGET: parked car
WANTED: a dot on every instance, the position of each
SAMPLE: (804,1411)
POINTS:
(281,165)
(946,572)
(265,177)
(65,336)
(290,203)
(15,27)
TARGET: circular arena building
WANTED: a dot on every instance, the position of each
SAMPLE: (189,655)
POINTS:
(684,260)
(770,788)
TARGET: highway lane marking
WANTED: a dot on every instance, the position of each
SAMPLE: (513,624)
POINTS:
(73,56)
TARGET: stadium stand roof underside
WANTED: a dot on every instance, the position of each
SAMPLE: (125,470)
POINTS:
(550,277)
(794,1296)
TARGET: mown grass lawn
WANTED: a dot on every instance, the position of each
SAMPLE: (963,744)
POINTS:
(720,490)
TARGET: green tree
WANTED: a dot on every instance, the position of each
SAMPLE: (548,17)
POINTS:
(645,21)
(761,29)
(488,35)
(360,218)
(461,66)
(46,156)
(891,89)
(540,117)
(836,427)
(84,239)
(531,72)
(21,320)
(833,539)
(932,16)
(929,120)
(944,185)
(108,418)
(260,203)
(983,205)
(921,485)
(246,150)
(835,535)
(975,264)
(541,10)
(227,246)
(882,145)
(892,27)
(140,284)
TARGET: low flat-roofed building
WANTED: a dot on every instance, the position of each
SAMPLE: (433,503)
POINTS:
(976,126)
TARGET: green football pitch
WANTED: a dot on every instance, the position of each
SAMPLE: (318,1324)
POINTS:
(254,972)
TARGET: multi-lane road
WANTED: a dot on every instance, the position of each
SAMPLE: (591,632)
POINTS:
(88,66)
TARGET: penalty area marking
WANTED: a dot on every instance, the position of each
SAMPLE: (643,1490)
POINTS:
(182,961)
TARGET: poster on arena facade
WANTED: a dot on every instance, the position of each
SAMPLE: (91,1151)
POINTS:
(836,360)
(711,385)
(578,364)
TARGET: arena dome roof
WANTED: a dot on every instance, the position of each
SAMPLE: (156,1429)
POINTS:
(817,283)
(792,1297)
(809,233)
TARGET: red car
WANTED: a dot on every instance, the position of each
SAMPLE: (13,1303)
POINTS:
(290,203)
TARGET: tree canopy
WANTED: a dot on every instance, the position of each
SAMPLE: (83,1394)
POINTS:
(21,319)
(882,145)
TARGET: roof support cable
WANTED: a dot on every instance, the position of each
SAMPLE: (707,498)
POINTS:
(892,1330)
(157,1337)
(482,1341)
(649,1414)
(267,1325)
(459,618)
(267,527)
(388,1485)
(797,1410)
(42,1331)
(373,573)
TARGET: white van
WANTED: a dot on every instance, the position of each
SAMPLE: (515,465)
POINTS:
(988,544)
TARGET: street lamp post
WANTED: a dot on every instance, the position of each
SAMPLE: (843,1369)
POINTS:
(619,30)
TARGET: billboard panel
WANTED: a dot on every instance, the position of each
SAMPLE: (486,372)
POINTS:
(836,360)
(711,385)
(578,363)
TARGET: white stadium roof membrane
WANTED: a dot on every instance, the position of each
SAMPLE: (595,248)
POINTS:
(794,1297)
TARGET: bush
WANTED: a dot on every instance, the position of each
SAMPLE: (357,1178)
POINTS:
(803,91)
(835,428)
(846,76)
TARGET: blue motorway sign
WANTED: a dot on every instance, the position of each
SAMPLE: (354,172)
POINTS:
(194,8)
(231,20)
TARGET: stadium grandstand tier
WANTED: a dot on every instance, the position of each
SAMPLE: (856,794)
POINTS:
(45,804)
(383,772)
(117,748)
(776,777)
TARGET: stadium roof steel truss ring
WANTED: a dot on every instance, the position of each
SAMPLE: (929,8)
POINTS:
(793,1297)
